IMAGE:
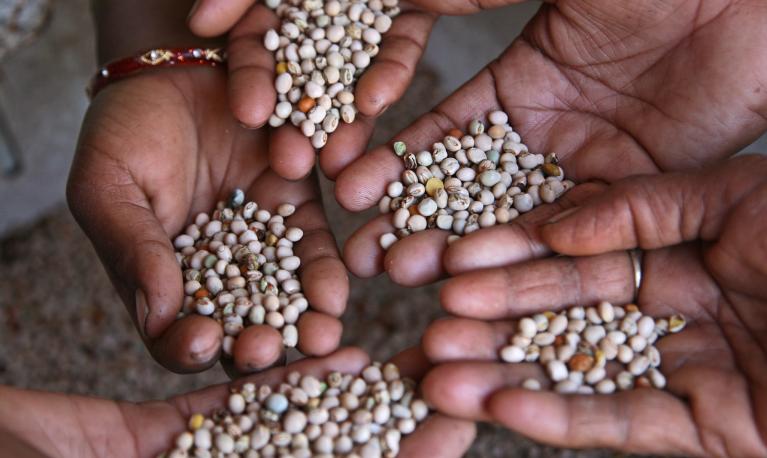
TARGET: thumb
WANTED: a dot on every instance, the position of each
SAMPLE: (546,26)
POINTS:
(132,245)
(210,18)
(655,211)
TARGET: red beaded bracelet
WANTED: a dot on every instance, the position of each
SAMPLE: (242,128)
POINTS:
(123,68)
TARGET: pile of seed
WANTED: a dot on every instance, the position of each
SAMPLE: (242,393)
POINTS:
(321,49)
(345,415)
(239,269)
(470,181)
(575,346)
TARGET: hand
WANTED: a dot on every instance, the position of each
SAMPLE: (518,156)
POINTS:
(77,426)
(155,150)
(705,258)
(252,71)
(614,88)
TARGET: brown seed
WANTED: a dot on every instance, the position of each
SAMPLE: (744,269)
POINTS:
(581,363)
(455,133)
(271,240)
(306,103)
(631,308)
(552,158)
(551,170)
(642,382)
(559,340)
(200,293)
(411,162)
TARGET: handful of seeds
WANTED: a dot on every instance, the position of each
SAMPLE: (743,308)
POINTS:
(470,181)
(575,346)
(345,415)
(239,269)
(321,49)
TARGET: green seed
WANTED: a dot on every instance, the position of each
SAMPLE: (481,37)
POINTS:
(493,156)
(400,148)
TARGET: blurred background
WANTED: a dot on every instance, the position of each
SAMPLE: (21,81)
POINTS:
(61,325)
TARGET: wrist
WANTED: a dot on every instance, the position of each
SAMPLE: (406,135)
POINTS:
(126,28)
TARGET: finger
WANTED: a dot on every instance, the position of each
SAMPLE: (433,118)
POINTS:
(412,363)
(416,260)
(131,242)
(642,421)
(511,243)
(656,211)
(323,276)
(699,384)
(431,436)
(393,68)
(191,344)
(318,334)
(535,286)
(363,254)
(461,389)
(451,339)
(251,67)
(362,184)
(439,436)
(291,154)
(209,18)
(257,348)
(413,261)
(345,145)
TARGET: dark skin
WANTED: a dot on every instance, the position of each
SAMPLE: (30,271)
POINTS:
(614,88)
(252,71)
(62,425)
(160,147)
(702,233)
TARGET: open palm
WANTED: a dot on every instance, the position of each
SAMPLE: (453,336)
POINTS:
(77,426)
(705,259)
(154,151)
(614,88)
(252,71)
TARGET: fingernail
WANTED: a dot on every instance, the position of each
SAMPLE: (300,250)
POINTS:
(383,110)
(562,215)
(205,355)
(142,311)
(245,126)
(193,10)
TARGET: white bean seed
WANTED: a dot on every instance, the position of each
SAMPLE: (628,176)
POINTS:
(557,370)
(512,354)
